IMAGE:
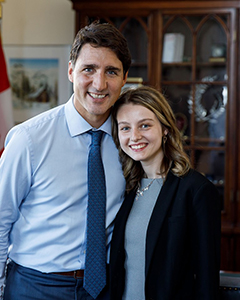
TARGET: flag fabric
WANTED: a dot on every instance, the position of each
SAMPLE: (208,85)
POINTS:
(6,112)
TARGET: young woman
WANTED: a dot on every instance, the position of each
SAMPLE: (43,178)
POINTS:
(166,241)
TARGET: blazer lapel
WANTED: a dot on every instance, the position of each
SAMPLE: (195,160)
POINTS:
(120,223)
(160,210)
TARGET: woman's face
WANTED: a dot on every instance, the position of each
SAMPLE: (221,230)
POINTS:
(140,135)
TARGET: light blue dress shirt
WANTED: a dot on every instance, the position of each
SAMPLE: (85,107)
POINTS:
(43,190)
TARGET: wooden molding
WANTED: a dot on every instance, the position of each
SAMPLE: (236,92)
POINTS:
(139,5)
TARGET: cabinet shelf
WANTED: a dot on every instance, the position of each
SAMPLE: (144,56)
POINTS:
(194,82)
(211,64)
(178,64)
(204,148)
(198,64)
(205,140)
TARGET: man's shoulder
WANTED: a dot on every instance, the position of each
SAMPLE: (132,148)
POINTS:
(41,120)
(46,116)
(39,124)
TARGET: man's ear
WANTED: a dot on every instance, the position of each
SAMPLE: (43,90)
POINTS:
(125,78)
(70,71)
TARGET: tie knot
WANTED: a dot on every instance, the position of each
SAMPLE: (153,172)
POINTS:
(96,137)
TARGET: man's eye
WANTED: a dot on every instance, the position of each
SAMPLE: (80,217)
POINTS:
(88,70)
(111,72)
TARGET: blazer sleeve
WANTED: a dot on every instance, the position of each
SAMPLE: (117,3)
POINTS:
(206,237)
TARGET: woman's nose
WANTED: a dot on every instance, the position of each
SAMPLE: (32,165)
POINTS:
(136,135)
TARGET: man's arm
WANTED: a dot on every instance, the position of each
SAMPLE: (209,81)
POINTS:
(15,181)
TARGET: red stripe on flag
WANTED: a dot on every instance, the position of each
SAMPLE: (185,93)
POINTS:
(4,82)
(6,113)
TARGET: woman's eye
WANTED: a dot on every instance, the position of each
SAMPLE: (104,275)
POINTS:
(124,128)
(145,126)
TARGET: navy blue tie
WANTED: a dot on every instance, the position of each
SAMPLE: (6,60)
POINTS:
(95,265)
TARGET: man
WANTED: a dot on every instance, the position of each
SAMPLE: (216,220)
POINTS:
(44,176)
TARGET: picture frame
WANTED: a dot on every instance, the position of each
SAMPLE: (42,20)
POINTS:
(38,77)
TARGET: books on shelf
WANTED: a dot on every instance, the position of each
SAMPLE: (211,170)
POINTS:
(217,59)
(134,80)
(173,47)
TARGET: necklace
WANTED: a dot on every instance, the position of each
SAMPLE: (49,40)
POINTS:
(140,192)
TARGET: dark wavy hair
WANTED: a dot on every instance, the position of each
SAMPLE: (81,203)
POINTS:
(174,158)
(102,35)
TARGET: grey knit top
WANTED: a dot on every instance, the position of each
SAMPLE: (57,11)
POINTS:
(135,239)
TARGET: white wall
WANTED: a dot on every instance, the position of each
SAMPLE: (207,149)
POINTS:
(37,22)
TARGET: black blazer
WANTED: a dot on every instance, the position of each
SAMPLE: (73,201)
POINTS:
(183,242)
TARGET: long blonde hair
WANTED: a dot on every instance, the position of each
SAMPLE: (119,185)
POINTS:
(174,158)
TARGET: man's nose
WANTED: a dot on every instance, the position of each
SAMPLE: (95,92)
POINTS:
(100,81)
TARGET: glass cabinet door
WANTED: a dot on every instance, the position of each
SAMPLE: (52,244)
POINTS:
(195,81)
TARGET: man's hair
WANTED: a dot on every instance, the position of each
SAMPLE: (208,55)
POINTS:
(102,35)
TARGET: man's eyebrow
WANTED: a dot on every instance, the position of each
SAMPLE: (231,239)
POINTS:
(112,68)
(89,66)
(108,68)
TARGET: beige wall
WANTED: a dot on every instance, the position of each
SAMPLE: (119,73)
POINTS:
(37,22)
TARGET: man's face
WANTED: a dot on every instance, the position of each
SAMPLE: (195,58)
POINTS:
(97,79)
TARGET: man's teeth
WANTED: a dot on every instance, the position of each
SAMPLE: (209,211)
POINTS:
(138,146)
(95,96)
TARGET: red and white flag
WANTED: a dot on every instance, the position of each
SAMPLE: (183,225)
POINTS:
(6,112)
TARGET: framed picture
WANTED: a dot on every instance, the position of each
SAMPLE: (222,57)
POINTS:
(38,78)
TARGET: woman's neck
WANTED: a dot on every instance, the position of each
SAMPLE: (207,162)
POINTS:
(153,168)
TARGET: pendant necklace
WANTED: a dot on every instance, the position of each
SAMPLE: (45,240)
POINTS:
(140,192)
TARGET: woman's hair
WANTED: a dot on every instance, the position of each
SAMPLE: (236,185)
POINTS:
(102,35)
(174,158)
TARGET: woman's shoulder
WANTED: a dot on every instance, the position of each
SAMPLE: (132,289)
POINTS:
(196,179)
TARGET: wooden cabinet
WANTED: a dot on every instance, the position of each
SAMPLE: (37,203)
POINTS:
(200,80)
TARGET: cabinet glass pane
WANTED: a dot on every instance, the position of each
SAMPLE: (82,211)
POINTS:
(177,96)
(173,29)
(216,71)
(212,41)
(212,165)
(209,106)
(132,30)
(177,72)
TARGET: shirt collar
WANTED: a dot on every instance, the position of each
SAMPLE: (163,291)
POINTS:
(78,125)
